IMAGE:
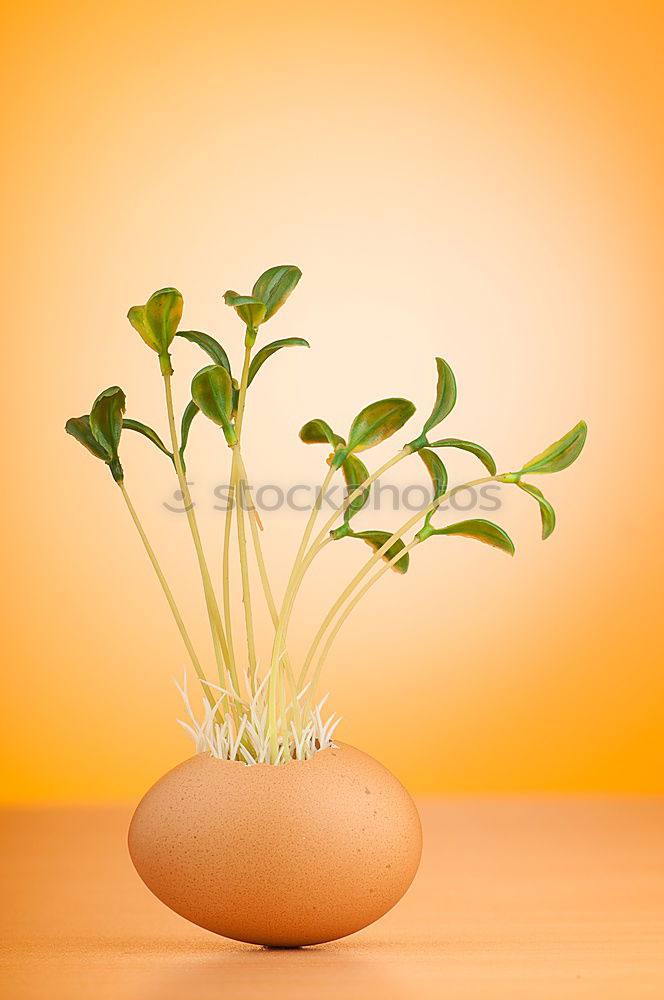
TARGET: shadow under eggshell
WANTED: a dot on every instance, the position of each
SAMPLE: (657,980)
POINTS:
(302,853)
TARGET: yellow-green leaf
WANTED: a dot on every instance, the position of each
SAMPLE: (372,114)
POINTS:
(250,309)
(475,449)
(547,512)
(191,409)
(318,431)
(446,394)
(266,352)
(157,321)
(207,343)
(438,474)
(130,424)
(274,286)
(376,539)
(377,422)
(106,418)
(79,428)
(212,391)
(436,470)
(136,317)
(560,454)
(481,531)
(355,473)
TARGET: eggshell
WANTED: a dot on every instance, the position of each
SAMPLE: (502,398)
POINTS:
(297,854)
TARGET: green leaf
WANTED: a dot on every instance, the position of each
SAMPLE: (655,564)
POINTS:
(136,317)
(267,351)
(163,312)
(436,470)
(135,425)
(317,431)
(106,426)
(355,473)
(190,412)
(209,345)
(79,428)
(438,474)
(157,321)
(560,454)
(212,391)
(446,394)
(377,422)
(481,531)
(547,512)
(106,419)
(376,539)
(274,286)
(250,309)
(475,449)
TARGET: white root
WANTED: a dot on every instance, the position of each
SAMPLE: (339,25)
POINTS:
(246,739)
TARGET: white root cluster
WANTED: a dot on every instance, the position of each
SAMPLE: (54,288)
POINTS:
(246,738)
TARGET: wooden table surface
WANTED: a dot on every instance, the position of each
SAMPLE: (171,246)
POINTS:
(544,899)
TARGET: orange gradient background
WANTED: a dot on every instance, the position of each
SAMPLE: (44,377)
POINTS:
(481,181)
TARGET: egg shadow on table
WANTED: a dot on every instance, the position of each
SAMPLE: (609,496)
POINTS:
(260,972)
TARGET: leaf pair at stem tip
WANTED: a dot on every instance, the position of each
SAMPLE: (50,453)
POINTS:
(157,322)
(212,392)
(557,457)
(100,430)
(267,296)
(374,424)
(222,399)
(478,528)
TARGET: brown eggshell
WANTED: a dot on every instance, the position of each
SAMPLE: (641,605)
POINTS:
(297,854)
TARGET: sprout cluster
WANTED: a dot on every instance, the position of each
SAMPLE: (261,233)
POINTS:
(274,717)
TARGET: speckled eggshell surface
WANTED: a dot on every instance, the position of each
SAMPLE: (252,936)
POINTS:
(297,854)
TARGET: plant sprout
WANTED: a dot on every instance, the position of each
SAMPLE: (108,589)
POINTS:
(272,716)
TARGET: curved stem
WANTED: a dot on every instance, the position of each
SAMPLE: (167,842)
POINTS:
(225,570)
(302,562)
(232,490)
(255,535)
(352,604)
(242,392)
(168,594)
(305,559)
(246,585)
(254,523)
(359,576)
(238,483)
(329,524)
(293,581)
(284,617)
(216,627)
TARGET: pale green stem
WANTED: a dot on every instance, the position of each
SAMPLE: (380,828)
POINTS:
(323,536)
(168,594)
(225,572)
(305,557)
(239,485)
(269,597)
(293,581)
(353,602)
(216,626)
(400,455)
(246,586)
(359,576)
(286,609)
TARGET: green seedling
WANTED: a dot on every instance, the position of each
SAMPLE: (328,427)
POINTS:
(271,716)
